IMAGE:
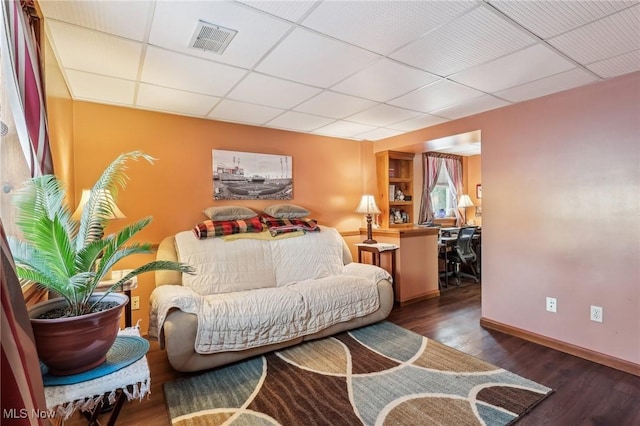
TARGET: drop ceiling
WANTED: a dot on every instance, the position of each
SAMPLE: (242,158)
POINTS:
(363,70)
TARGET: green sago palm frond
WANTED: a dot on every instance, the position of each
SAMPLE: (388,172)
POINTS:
(98,208)
(71,257)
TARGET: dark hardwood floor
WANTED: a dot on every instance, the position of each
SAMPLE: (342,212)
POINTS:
(586,393)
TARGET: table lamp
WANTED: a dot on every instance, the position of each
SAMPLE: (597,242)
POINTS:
(115,213)
(463,203)
(368,206)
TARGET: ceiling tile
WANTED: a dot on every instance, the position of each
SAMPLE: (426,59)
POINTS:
(265,90)
(310,58)
(298,121)
(378,134)
(474,106)
(165,68)
(123,18)
(290,10)
(618,65)
(174,23)
(95,52)
(384,80)
(343,129)
(508,70)
(383,115)
(420,122)
(476,37)
(436,96)
(545,86)
(101,89)
(611,36)
(550,18)
(241,112)
(373,25)
(334,105)
(176,101)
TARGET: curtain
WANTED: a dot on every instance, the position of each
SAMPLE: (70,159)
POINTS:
(431,162)
(453,166)
(21,66)
(22,389)
(431,166)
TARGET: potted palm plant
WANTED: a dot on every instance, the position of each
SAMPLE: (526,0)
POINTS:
(69,258)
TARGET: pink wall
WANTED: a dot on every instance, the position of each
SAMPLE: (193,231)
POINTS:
(561,213)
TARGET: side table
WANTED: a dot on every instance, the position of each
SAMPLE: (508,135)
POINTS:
(376,250)
(125,288)
(132,381)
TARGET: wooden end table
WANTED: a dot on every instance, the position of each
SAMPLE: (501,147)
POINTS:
(376,250)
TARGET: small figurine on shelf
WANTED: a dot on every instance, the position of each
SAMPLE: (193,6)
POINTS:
(399,195)
(397,216)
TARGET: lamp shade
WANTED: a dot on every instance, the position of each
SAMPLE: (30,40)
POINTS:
(368,205)
(465,201)
(84,199)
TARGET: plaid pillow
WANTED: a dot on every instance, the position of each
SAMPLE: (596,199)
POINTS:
(278,226)
(211,229)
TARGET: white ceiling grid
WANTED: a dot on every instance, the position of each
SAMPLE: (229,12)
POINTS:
(349,69)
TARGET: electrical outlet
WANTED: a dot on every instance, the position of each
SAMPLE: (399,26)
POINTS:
(596,313)
(135,303)
(552,304)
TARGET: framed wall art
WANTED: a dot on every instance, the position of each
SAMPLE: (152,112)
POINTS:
(479,191)
(251,176)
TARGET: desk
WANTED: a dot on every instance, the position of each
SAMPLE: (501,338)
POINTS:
(376,250)
(133,381)
(444,244)
(125,288)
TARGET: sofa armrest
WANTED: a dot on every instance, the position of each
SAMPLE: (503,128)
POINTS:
(167,251)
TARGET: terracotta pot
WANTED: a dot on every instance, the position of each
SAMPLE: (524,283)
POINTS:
(76,344)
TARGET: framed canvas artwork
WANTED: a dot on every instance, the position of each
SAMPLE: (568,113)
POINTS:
(251,176)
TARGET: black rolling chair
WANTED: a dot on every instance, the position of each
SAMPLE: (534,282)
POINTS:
(462,254)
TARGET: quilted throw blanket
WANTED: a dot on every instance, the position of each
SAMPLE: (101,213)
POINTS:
(246,319)
(280,226)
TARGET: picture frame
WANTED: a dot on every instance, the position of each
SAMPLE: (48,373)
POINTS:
(479,191)
(238,175)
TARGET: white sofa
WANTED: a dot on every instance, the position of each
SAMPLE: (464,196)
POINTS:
(258,293)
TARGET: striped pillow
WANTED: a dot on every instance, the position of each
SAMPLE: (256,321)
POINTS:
(211,229)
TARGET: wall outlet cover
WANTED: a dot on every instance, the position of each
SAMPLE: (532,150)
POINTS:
(596,313)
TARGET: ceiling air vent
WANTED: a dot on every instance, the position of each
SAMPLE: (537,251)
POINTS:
(212,37)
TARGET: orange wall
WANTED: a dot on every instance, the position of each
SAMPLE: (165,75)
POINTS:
(329,174)
(561,209)
(59,118)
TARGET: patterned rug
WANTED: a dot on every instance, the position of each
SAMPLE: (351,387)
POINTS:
(375,375)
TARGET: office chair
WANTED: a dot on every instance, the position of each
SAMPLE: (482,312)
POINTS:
(463,254)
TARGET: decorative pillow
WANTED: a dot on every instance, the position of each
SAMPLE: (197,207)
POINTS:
(229,213)
(286,211)
(278,226)
(210,228)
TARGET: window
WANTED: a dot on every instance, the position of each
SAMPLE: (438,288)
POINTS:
(441,198)
(13,165)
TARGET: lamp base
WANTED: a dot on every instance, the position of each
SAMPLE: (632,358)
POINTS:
(369,241)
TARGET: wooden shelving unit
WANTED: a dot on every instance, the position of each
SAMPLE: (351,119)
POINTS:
(394,168)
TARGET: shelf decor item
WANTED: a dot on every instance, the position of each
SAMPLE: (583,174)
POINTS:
(368,206)
(69,258)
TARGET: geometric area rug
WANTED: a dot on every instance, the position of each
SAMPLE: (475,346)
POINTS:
(381,374)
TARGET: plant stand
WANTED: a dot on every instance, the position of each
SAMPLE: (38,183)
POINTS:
(133,381)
